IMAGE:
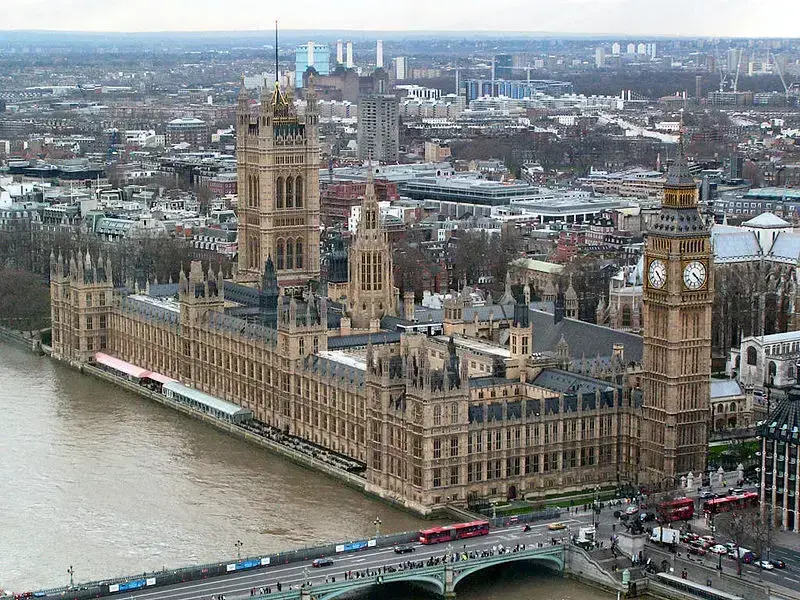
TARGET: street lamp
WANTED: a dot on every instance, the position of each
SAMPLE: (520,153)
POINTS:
(238,545)
(377,522)
(71,572)
(596,506)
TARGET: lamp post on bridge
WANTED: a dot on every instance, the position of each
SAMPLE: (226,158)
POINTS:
(377,522)
(71,572)
(238,545)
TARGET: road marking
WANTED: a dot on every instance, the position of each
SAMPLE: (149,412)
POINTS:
(792,579)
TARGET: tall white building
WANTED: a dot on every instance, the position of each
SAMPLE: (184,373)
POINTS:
(339,52)
(616,49)
(641,49)
(400,67)
(379,55)
(600,57)
(631,49)
(349,64)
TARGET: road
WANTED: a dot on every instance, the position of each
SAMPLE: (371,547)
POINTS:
(241,584)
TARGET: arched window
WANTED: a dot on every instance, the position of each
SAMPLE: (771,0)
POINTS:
(279,193)
(720,408)
(626,316)
(732,407)
(772,370)
(298,192)
(289,192)
(256,185)
(752,356)
(298,253)
(289,253)
(279,255)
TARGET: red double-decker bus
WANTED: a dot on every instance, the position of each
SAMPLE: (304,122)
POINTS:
(728,503)
(448,533)
(680,509)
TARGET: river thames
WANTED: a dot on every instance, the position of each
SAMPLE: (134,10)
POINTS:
(110,483)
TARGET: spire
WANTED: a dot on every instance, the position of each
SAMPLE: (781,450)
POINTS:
(244,96)
(678,172)
(571,294)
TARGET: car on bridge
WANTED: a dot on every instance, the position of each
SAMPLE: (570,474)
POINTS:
(322,562)
(766,564)
(403,549)
(557,526)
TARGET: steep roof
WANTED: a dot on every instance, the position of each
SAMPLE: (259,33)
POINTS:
(786,247)
(725,388)
(783,423)
(738,246)
(584,339)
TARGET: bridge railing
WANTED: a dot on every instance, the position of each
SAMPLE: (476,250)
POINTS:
(146,580)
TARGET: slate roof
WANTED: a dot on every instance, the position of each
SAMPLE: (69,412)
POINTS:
(786,247)
(570,383)
(725,388)
(362,339)
(766,220)
(740,246)
(584,339)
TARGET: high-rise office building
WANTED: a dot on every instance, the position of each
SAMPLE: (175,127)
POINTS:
(349,50)
(339,52)
(698,87)
(400,66)
(311,55)
(378,128)
(631,48)
(600,57)
(379,55)
(616,49)
(503,66)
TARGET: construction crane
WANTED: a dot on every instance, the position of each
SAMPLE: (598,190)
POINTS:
(780,74)
(723,75)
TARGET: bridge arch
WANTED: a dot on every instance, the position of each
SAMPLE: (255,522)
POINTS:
(550,560)
(435,584)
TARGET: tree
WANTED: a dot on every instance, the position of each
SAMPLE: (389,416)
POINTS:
(24,300)
(469,257)
(746,528)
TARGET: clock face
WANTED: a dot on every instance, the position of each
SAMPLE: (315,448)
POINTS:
(657,274)
(694,275)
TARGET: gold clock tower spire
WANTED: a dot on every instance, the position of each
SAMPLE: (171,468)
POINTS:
(678,296)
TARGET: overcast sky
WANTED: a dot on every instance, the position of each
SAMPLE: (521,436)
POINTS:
(711,18)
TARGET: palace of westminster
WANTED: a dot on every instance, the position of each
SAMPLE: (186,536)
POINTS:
(474,408)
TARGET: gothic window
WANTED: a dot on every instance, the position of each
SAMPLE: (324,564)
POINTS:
(298,254)
(289,192)
(626,316)
(752,356)
(289,254)
(298,192)
(772,370)
(279,193)
(279,255)
(437,415)
(732,407)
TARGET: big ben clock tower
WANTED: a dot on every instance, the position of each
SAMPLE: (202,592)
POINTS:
(678,295)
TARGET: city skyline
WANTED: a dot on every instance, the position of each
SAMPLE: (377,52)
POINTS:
(716,18)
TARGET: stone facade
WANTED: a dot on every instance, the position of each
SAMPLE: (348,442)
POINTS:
(473,415)
(278,167)
(678,295)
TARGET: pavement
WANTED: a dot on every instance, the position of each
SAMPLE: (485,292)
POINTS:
(241,584)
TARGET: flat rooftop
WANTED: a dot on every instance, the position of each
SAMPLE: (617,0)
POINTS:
(357,361)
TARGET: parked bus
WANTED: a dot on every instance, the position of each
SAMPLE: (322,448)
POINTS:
(448,533)
(728,503)
(680,509)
